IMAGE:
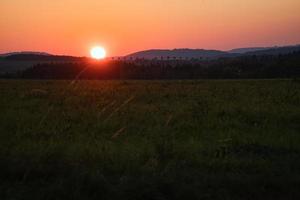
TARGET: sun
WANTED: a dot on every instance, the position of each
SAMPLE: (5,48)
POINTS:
(98,53)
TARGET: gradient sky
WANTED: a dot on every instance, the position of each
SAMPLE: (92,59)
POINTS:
(124,26)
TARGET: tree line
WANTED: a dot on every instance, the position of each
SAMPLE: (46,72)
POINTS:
(244,67)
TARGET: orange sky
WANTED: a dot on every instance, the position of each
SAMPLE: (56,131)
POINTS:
(124,26)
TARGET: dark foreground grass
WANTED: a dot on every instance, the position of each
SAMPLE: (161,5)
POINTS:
(150,139)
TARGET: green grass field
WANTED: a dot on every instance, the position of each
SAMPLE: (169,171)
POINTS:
(150,139)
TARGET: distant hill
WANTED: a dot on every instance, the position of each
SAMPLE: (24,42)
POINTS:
(248,49)
(266,50)
(275,50)
(19,61)
(212,54)
(41,57)
(183,53)
(25,52)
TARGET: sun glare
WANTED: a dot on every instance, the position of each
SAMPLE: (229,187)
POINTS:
(98,53)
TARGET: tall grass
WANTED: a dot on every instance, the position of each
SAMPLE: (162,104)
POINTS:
(150,139)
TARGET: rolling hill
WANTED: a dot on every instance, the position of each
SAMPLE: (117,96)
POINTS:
(248,49)
(212,54)
(275,50)
(183,53)
(25,53)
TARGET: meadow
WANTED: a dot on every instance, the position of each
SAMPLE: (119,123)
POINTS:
(209,139)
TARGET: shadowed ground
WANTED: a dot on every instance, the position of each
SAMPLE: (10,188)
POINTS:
(150,139)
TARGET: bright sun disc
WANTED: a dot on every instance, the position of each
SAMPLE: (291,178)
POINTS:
(98,53)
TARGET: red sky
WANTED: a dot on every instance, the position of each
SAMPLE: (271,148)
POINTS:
(123,26)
